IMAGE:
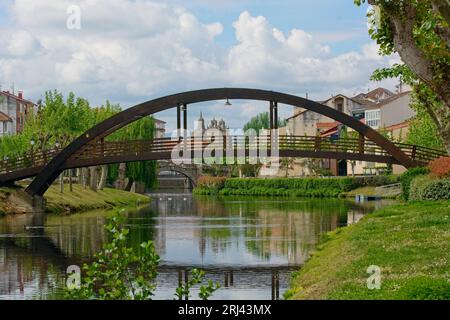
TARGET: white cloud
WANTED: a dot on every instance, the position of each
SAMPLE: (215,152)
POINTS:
(22,43)
(130,51)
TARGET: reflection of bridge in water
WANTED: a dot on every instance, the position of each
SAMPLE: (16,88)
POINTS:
(42,250)
(266,277)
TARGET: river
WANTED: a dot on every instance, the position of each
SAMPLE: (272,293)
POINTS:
(249,245)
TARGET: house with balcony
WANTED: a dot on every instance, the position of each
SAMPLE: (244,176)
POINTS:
(381,109)
(390,117)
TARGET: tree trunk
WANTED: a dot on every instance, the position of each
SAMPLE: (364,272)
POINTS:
(85,174)
(80,176)
(70,180)
(103,177)
(61,182)
(93,178)
(445,134)
(120,183)
(405,45)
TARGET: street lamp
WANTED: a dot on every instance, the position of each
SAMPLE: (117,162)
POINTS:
(32,154)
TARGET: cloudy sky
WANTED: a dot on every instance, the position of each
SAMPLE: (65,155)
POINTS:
(130,51)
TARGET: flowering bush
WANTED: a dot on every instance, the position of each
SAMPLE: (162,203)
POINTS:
(440,167)
(211,182)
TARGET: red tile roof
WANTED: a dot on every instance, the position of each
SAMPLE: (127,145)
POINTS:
(403,124)
(326,125)
(9,94)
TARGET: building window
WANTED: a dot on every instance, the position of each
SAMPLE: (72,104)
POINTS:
(5,127)
(373,118)
(340,107)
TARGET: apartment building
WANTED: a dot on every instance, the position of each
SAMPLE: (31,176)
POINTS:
(14,110)
(381,109)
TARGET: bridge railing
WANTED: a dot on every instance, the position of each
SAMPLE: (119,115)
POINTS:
(30,160)
(421,154)
(283,143)
(101,148)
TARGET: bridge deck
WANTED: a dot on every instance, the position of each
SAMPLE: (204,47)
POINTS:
(229,149)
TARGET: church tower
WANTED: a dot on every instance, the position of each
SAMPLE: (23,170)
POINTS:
(200,126)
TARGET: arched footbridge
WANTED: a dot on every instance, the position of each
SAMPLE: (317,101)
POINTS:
(91,148)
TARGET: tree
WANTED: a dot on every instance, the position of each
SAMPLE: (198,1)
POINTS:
(59,121)
(422,129)
(418,30)
(286,164)
(261,121)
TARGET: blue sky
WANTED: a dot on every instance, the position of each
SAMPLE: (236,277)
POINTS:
(130,51)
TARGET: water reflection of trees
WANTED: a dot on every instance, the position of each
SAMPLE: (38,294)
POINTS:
(82,235)
(31,266)
(268,229)
(272,228)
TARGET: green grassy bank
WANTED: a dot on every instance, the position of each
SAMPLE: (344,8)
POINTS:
(81,199)
(410,242)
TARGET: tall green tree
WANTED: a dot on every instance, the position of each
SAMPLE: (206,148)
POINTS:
(422,129)
(59,121)
(418,30)
(261,121)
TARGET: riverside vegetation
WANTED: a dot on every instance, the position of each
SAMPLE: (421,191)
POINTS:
(299,187)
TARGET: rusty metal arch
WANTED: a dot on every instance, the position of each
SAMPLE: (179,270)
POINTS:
(52,170)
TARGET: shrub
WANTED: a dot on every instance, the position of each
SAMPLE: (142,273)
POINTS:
(408,176)
(344,184)
(440,167)
(211,182)
(417,187)
(300,187)
(436,190)
(426,188)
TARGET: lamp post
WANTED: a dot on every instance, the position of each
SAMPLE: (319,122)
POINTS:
(32,151)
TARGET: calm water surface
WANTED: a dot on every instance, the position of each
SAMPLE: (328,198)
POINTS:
(249,245)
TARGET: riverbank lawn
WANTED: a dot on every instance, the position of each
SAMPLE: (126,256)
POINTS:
(410,243)
(81,199)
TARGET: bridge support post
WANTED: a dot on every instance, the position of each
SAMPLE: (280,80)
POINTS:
(361,143)
(275,115)
(178,121)
(184,109)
